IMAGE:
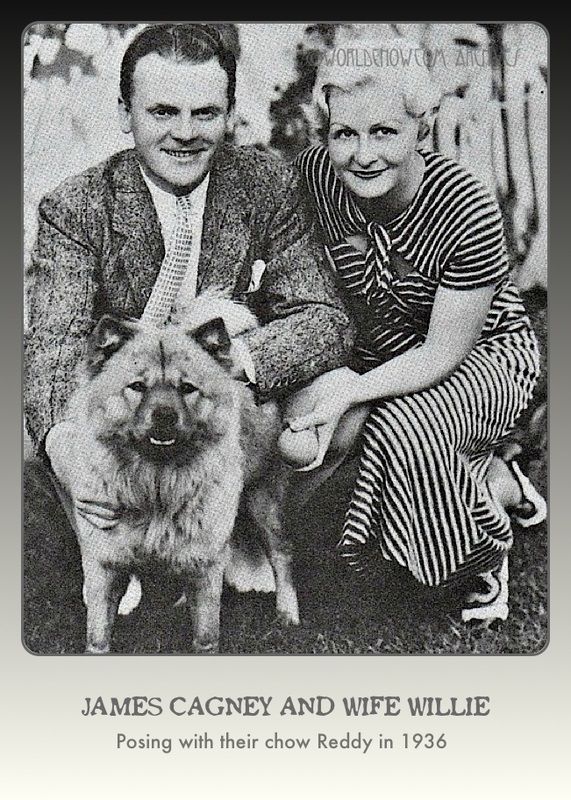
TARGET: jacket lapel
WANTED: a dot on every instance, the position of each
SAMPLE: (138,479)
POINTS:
(138,243)
(226,228)
(139,248)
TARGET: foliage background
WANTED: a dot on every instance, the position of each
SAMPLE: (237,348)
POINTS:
(493,116)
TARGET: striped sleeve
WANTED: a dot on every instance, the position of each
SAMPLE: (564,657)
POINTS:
(479,256)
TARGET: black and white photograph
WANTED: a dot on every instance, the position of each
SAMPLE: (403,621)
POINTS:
(285,338)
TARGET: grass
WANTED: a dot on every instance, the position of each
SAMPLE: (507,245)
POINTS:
(342,612)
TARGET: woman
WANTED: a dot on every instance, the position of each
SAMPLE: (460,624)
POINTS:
(446,359)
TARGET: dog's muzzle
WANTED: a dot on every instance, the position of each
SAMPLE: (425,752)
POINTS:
(164,424)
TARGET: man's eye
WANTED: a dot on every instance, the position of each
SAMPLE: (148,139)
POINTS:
(380,132)
(162,113)
(206,114)
(137,386)
(343,134)
(187,388)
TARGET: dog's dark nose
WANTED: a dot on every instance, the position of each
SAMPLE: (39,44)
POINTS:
(164,417)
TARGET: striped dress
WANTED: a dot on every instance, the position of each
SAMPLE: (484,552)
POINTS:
(420,497)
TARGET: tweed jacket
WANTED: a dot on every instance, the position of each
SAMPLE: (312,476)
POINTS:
(99,249)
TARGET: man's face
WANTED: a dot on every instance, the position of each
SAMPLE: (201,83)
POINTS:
(178,117)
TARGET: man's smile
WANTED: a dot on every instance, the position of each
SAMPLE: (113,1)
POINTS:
(184,153)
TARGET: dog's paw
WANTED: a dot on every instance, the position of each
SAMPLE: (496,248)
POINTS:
(205,646)
(96,650)
(287,619)
(287,607)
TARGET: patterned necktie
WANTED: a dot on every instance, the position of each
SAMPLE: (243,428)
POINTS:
(173,269)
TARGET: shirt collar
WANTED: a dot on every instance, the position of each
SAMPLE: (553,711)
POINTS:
(167,201)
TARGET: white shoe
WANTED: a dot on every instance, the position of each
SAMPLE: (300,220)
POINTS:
(530,495)
(492,604)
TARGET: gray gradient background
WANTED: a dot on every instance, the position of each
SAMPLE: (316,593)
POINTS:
(50,751)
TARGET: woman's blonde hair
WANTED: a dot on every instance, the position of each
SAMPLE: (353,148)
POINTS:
(362,62)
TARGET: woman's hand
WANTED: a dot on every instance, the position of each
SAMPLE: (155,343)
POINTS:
(335,393)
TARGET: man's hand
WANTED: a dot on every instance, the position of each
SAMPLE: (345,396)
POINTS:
(90,500)
(99,513)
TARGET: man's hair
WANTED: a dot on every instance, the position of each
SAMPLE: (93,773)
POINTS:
(195,43)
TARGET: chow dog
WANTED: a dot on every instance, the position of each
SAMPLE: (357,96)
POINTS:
(161,432)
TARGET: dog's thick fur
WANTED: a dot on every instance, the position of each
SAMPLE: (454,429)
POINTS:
(161,433)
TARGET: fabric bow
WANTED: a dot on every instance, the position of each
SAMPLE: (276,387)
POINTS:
(378,274)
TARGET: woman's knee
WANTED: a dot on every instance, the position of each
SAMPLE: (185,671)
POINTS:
(298,448)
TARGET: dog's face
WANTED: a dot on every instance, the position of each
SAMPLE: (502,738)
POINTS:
(166,393)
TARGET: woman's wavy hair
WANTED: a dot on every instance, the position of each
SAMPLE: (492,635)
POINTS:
(361,62)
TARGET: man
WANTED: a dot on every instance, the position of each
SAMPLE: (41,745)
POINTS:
(103,235)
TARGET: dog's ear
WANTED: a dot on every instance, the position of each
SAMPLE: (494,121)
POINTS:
(213,337)
(108,336)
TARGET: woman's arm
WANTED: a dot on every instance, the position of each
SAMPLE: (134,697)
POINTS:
(456,322)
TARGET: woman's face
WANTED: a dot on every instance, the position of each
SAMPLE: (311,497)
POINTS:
(372,140)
